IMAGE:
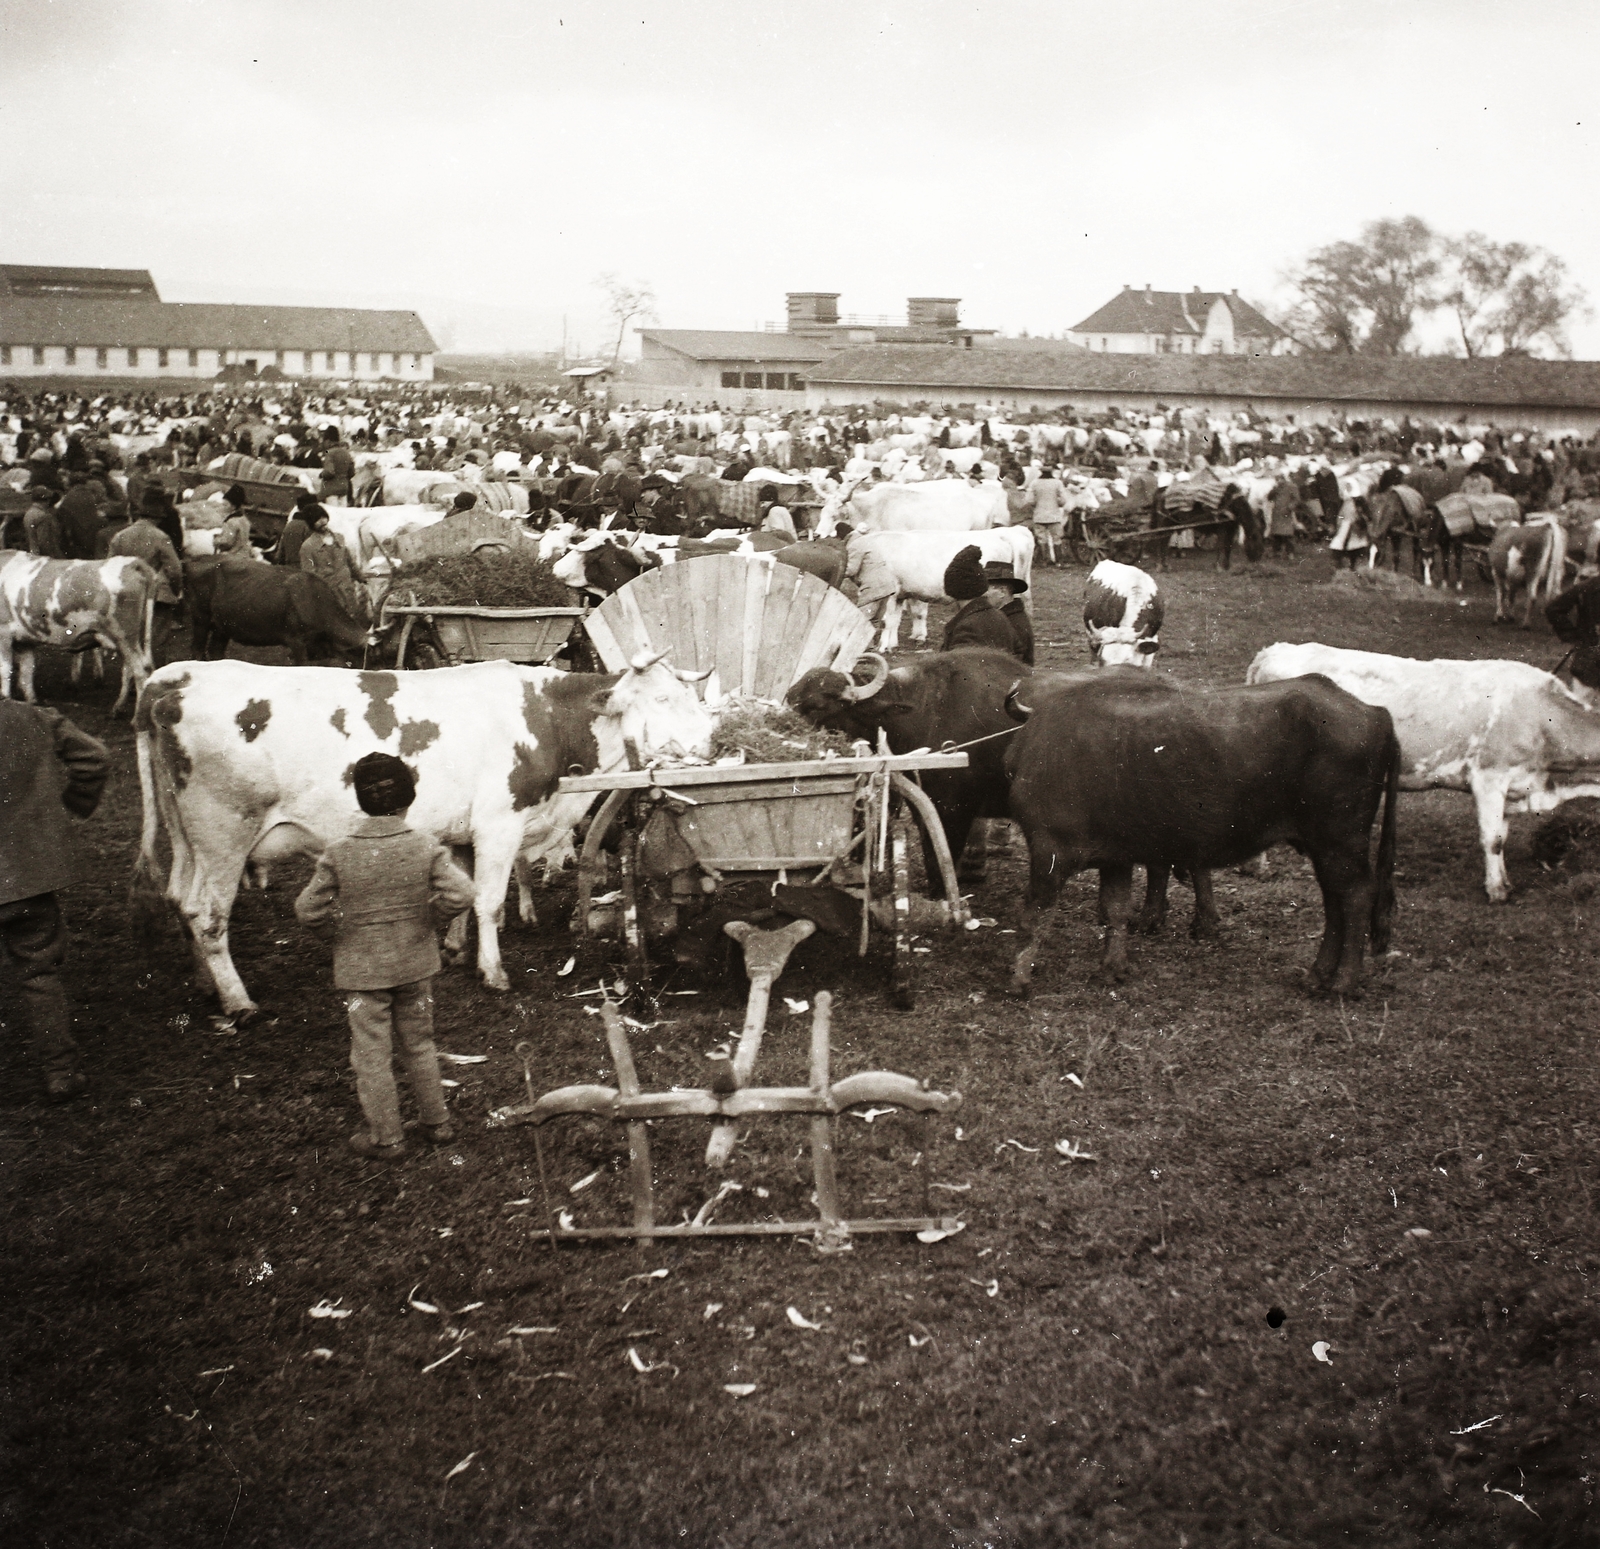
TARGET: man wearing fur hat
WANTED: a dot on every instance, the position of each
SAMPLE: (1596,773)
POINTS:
(383,893)
(977,621)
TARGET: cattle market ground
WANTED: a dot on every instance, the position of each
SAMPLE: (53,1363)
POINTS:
(1122,1351)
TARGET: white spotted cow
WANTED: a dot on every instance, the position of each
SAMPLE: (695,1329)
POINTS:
(1512,735)
(243,765)
(940,505)
(1122,615)
(1531,556)
(918,561)
(77,605)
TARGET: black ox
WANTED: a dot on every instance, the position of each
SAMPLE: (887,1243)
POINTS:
(1109,775)
(257,604)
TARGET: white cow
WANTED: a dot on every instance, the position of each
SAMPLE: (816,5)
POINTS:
(1512,735)
(939,505)
(77,605)
(918,561)
(243,765)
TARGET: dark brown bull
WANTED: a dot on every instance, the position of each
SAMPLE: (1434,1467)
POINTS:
(1107,775)
(256,604)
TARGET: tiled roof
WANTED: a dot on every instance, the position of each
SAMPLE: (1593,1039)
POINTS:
(205,325)
(47,279)
(924,370)
(736,344)
(1173,312)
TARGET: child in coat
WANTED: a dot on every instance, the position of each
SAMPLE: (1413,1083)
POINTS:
(384,892)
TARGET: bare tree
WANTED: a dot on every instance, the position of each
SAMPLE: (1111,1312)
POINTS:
(1506,297)
(1364,297)
(625,302)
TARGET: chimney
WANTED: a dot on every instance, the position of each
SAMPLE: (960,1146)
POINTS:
(812,307)
(933,311)
(1197,290)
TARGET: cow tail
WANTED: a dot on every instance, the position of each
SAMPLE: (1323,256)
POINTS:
(146,892)
(1383,898)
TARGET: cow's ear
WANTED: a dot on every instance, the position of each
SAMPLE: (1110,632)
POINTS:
(600,703)
(1148,647)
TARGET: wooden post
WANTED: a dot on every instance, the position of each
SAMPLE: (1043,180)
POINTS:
(822,1124)
(643,1189)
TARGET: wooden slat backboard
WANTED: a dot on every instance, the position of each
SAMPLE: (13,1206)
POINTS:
(757,626)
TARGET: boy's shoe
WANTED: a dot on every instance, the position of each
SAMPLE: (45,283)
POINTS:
(440,1134)
(363,1144)
(62,1086)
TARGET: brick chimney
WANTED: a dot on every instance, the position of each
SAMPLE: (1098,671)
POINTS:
(933,311)
(812,306)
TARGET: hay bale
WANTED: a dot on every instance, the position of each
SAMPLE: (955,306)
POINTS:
(490,579)
(1387,584)
(767,733)
(1569,838)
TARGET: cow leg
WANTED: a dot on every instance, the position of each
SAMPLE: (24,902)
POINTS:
(454,949)
(1206,922)
(1489,795)
(1116,904)
(495,855)
(526,912)
(1345,876)
(890,639)
(204,886)
(1152,918)
(919,622)
(27,661)
(1046,872)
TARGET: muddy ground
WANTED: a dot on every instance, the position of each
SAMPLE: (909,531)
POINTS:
(1117,1351)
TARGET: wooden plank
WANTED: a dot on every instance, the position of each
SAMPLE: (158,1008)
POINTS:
(604,639)
(787,637)
(738,774)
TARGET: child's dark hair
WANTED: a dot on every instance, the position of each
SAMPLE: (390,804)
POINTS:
(383,785)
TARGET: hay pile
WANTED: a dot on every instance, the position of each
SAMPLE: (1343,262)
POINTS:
(1388,584)
(492,579)
(766,733)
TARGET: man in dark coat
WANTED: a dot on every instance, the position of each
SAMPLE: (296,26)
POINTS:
(1004,592)
(46,764)
(80,520)
(977,621)
(296,530)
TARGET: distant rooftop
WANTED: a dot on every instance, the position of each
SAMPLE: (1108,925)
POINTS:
(43,280)
(1174,312)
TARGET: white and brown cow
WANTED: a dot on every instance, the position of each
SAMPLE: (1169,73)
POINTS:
(77,605)
(1533,556)
(1122,615)
(244,765)
(1514,736)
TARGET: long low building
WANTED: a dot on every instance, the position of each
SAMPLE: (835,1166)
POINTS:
(1550,395)
(87,323)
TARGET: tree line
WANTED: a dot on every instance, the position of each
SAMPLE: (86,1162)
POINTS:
(1366,297)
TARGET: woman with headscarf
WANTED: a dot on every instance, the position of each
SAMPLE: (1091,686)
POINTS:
(323,554)
(233,537)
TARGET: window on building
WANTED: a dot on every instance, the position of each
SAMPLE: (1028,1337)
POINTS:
(277,359)
(730,378)
(775,381)
(194,357)
(133,357)
(1219,346)
(162,359)
(752,379)
(5,354)
(416,363)
(38,354)
(70,355)
(797,383)
(327,361)
(101,357)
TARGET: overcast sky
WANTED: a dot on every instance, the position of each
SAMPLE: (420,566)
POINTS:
(485,160)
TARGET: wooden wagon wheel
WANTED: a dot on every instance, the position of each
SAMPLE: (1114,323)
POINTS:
(632,926)
(900,868)
(1077,540)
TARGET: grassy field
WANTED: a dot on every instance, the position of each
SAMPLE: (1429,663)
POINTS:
(1114,1352)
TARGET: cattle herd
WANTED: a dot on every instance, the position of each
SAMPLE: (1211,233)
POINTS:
(242,765)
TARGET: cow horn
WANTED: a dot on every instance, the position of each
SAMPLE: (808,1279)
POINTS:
(692,677)
(645,660)
(854,693)
(1014,706)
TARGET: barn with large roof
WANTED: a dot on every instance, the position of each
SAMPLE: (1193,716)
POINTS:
(112,324)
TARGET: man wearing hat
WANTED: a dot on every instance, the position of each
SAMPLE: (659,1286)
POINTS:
(296,530)
(1004,592)
(80,519)
(39,524)
(978,621)
(384,893)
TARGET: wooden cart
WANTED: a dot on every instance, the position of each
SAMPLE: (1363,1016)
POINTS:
(434,635)
(683,833)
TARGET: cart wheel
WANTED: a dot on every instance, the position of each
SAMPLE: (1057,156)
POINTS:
(900,854)
(1480,559)
(1076,544)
